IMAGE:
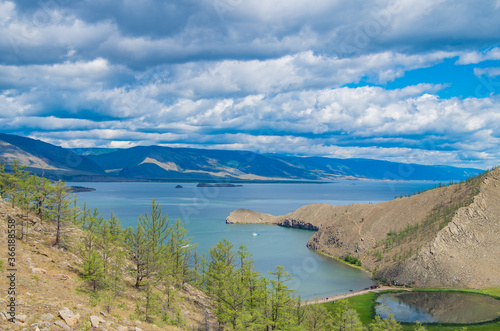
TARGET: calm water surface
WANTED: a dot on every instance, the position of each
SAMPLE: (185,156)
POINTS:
(205,210)
(438,307)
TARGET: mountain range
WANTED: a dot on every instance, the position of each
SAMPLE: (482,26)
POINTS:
(157,163)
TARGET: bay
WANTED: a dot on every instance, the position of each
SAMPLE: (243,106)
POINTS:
(204,210)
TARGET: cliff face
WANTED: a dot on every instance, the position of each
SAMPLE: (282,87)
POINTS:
(448,236)
(465,253)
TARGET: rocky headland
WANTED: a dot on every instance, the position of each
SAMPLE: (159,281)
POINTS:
(445,237)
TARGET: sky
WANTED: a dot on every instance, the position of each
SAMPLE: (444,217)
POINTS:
(399,80)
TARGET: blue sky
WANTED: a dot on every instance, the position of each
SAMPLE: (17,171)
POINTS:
(399,80)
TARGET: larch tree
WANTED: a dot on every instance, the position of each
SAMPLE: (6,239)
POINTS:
(60,208)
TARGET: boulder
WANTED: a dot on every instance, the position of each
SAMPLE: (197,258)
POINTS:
(95,320)
(37,270)
(47,317)
(69,317)
(62,325)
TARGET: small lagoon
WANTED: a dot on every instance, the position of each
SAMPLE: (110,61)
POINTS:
(438,307)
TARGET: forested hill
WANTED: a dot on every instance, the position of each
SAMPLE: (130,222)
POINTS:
(187,164)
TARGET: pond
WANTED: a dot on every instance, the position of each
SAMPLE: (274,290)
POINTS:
(438,307)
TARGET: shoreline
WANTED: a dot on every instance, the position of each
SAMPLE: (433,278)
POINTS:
(353,294)
(342,261)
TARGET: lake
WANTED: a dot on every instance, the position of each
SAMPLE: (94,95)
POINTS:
(438,307)
(204,210)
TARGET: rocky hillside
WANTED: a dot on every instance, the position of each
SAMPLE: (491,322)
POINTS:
(50,294)
(41,157)
(448,236)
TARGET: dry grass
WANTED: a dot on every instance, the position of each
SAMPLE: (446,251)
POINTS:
(48,280)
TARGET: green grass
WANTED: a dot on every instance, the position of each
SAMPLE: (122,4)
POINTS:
(365,306)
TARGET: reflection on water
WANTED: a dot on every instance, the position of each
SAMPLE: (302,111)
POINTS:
(434,307)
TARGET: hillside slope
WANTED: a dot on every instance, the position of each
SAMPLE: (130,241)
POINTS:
(48,282)
(448,236)
(40,157)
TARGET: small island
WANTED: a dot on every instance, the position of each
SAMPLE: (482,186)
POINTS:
(218,185)
(79,189)
(179,186)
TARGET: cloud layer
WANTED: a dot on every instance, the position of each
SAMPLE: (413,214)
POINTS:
(290,77)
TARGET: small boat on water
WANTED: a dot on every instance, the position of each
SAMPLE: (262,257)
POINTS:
(255,234)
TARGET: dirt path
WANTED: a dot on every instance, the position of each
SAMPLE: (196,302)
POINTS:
(353,294)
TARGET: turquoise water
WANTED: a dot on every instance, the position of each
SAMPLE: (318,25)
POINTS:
(438,307)
(205,210)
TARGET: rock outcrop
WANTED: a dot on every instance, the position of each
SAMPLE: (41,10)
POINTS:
(465,253)
(445,237)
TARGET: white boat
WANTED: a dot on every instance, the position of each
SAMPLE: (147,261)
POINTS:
(254,234)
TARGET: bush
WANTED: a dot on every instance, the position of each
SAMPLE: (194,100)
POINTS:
(352,260)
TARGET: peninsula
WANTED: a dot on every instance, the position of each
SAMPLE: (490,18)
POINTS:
(444,237)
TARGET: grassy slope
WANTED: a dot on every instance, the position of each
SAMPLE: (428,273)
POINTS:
(365,306)
(58,284)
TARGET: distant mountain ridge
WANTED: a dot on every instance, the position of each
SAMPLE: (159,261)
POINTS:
(39,157)
(157,163)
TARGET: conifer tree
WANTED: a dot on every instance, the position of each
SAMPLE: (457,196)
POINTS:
(317,317)
(216,278)
(3,182)
(180,251)
(93,264)
(60,208)
(281,301)
(388,324)
(93,270)
(42,191)
(137,243)
(419,327)
(13,180)
(346,318)
(156,231)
